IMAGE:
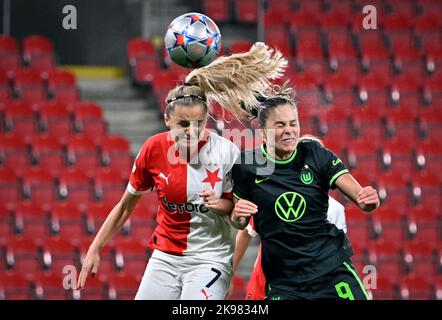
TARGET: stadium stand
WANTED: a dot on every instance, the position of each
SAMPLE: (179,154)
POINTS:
(374,97)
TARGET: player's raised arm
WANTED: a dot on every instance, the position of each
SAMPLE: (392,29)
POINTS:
(365,198)
(113,223)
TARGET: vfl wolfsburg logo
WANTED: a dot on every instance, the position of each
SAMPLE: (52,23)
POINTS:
(307,177)
(290,206)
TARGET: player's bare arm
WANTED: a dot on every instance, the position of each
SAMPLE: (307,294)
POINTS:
(218,205)
(113,223)
(365,198)
(240,216)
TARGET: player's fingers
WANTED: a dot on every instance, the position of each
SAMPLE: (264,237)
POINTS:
(82,279)
(248,207)
(367,194)
(95,268)
(246,202)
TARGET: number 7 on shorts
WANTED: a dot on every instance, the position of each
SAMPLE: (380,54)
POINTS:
(217,275)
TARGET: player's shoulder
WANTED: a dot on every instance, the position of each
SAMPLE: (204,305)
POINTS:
(221,141)
(313,149)
(306,145)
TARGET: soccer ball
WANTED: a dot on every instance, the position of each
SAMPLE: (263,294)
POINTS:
(193,40)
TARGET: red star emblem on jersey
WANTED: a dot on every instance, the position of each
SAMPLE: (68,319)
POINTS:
(212,177)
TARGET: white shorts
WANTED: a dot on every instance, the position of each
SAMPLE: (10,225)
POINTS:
(170,277)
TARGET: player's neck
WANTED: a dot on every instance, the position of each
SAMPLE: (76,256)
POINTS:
(278,155)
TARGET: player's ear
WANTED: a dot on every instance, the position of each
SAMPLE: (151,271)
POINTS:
(166,120)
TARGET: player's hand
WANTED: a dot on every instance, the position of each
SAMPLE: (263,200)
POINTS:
(244,208)
(210,199)
(368,197)
(90,264)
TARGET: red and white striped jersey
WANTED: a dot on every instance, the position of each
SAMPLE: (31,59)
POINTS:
(185,225)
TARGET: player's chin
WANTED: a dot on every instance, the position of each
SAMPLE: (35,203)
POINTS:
(287,145)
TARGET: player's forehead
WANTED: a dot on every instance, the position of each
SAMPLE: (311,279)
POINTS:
(189,112)
(283,113)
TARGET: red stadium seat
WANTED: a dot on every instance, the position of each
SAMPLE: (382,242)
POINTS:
(5,90)
(59,253)
(406,85)
(38,185)
(115,152)
(335,121)
(386,289)
(10,60)
(68,220)
(95,289)
(14,286)
(401,123)
(109,184)
(217,10)
(427,188)
(83,154)
(47,153)
(123,286)
(367,122)
(389,224)
(96,214)
(89,120)
(429,153)
(303,20)
(337,87)
(14,151)
(6,223)
(385,256)
(430,123)
(246,11)
(49,286)
(240,46)
(55,119)
(373,88)
(420,257)
(397,155)
(22,255)
(32,220)
(131,256)
(363,153)
(414,287)
(38,53)
(62,86)
(20,119)
(29,86)
(358,224)
(143,59)
(142,220)
(334,20)
(9,186)
(75,185)
(394,190)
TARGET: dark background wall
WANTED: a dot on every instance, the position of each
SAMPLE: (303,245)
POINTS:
(103,28)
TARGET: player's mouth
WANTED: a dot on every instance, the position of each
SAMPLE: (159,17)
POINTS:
(288,140)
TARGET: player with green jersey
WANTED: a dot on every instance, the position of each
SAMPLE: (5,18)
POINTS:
(284,185)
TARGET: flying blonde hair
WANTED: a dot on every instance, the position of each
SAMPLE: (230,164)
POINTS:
(234,80)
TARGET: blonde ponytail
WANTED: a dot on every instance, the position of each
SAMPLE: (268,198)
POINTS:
(232,80)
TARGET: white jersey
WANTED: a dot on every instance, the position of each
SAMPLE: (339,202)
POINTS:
(185,226)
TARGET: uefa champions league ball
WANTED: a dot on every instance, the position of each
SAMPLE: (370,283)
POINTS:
(192,40)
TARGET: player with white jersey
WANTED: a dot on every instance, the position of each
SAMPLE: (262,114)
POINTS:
(192,244)
(189,167)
